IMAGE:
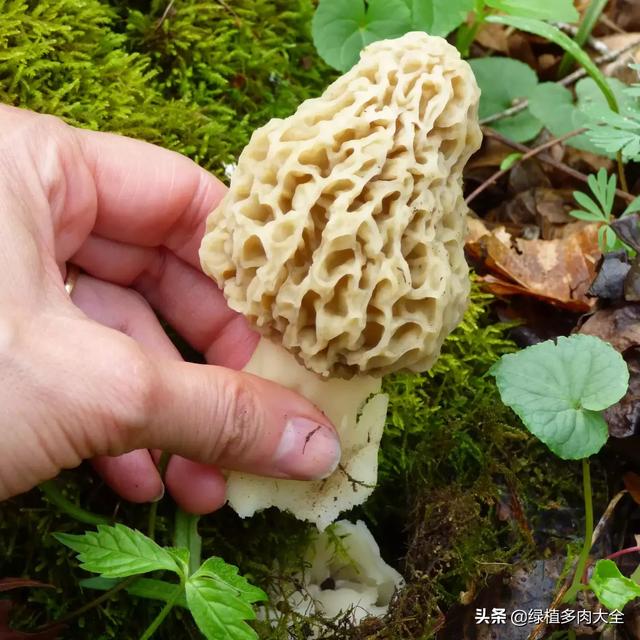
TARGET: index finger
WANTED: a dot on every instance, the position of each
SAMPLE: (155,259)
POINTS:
(149,196)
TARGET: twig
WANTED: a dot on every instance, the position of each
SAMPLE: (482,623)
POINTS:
(560,166)
(566,81)
(597,45)
(164,15)
(529,154)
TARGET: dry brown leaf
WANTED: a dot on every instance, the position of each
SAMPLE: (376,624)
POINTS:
(619,68)
(632,483)
(620,327)
(494,37)
(557,271)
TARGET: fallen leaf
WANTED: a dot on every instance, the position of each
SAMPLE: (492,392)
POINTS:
(619,326)
(619,68)
(494,37)
(623,417)
(557,271)
(632,484)
(632,283)
(628,230)
(6,633)
(610,281)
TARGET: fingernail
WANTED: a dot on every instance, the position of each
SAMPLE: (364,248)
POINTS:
(308,450)
(159,496)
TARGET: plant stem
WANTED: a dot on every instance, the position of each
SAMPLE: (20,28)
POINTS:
(529,154)
(159,619)
(576,585)
(467,33)
(153,510)
(623,552)
(127,582)
(53,494)
(589,21)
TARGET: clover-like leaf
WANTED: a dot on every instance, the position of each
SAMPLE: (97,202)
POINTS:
(220,601)
(341,28)
(502,82)
(560,389)
(438,17)
(118,551)
(612,589)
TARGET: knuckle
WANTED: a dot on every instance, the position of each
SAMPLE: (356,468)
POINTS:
(240,419)
(136,393)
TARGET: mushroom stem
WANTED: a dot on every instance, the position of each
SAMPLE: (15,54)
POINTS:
(356,408)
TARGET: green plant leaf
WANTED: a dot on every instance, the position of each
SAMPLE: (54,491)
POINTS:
(510,160)
(118,551)
(556,10)
(502,82)
(588,204)
(588,22)
(612,589)
(226,576)
(147,588)
(220,601)
(587,215)
(549,32)
(438,17)
(559,390)
(632,207)
(341,28)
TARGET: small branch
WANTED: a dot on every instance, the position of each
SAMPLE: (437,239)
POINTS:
(529,154)
(560,166)
(165,14)
(597,45)
(566,81)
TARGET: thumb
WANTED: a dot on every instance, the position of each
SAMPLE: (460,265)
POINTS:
(232,419)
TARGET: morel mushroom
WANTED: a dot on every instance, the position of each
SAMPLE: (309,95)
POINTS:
(341,240)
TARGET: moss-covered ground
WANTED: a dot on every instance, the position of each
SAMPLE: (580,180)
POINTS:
(462,487)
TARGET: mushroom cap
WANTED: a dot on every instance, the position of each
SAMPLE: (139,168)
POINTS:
(342,233)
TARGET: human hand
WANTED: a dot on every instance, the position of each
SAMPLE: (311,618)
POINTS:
(96,375)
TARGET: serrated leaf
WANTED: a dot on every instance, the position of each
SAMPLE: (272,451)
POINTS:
(226,576)
(612,589)
(438,17)
(341,28)
(502,82)
(555,10)
(559,390)
(118,551)
(220,601)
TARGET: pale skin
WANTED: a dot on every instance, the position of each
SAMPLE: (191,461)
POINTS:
(94,375)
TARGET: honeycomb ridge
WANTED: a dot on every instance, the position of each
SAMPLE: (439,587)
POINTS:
(342,233)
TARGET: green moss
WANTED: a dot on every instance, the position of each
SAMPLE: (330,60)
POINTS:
(198,81)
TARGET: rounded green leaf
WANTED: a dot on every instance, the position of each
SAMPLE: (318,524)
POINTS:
(559,390)
(341,28)
(612,589)
(503,81)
